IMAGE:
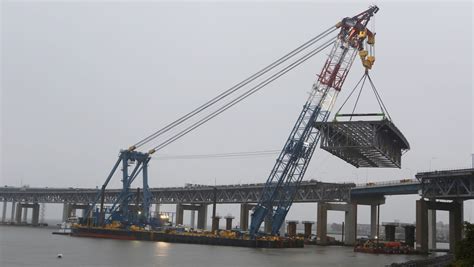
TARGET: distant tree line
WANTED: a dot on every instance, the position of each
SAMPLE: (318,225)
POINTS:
(464,250)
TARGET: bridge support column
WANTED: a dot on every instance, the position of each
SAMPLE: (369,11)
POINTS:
(228,222)
(66,211)
(215,223)
(431,229)
(202,217)
(455,209)
(18,213)
(193,219)
(12,218)
(25,215)
(390,232)
(455,224)
(74,207)
(410,235)
(244,216)
(373,221)
(4,211)
(374,201)
(350,231)
(292,228)
(179,214)
(308,231)
(322,223)
(35,215)
(421,226)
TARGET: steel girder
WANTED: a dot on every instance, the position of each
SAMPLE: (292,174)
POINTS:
(450,184)
(309,191)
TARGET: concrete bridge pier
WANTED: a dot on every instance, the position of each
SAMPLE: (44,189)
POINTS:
(202,217)
(35,215)
(292,228)
(12,218)
(19,209)
(322,223)
(245,208)
(202,214)
(410,235)
(74,207)
(67,209)
(228,222)
(21,214)
(350,221)
(373,221)
(390,232)
(179,214)
(193,219)
(4,211)
(421,226)
(350,231)
(25,214)
(374,201)
(455,223)
(308,231)
(431,229)
(215,223)
(455,209)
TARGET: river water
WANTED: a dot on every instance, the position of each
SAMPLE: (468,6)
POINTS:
(26,246)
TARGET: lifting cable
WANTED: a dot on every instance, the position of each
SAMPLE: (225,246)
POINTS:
(221,155)
(352,91)
(379,99)
(235,87)
(363,79)
(244,95)
(358,96)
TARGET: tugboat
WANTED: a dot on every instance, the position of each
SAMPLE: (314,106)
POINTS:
(65,227)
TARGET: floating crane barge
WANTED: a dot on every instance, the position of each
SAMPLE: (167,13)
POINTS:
(348,38)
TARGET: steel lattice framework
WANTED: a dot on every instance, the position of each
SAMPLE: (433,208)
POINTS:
(450,184)
(309,191)
(364,143)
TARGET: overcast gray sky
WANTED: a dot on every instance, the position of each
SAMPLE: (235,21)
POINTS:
(82,80)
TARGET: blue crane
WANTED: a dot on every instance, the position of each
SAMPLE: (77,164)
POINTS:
(293,160)
(290,167)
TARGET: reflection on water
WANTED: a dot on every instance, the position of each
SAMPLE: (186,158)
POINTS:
(20,246)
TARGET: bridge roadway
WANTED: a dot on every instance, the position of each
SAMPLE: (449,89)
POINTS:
(309,191)
(454,185)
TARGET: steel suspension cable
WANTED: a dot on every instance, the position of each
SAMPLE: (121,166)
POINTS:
(235,87)
(349,96)
(358,96)
(244,95)
(378,96)
(221,155)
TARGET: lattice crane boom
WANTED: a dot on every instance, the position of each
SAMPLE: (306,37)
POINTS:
(290,167)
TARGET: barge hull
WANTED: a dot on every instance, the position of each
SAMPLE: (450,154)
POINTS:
(181,238)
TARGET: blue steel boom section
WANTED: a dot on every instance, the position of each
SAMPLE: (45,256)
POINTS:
(291,165)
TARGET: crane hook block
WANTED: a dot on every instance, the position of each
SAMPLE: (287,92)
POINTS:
(371,39)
